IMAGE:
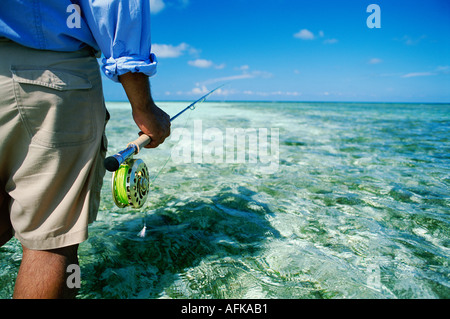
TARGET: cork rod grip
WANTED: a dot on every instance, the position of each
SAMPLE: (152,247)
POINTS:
(141,142)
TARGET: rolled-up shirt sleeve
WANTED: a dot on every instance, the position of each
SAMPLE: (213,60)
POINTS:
(121,29)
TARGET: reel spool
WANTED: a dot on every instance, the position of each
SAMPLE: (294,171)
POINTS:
(130,184)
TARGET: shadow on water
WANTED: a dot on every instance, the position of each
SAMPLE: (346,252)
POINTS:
(179,236)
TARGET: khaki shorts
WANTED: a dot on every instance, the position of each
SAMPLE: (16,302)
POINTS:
(52,144)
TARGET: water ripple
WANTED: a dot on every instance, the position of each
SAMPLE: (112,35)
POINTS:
(359,208)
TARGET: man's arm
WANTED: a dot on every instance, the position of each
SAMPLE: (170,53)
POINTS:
(150,119)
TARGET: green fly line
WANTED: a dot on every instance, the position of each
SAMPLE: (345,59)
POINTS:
(120,186)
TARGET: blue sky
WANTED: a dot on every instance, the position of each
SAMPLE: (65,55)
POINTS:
(299,50)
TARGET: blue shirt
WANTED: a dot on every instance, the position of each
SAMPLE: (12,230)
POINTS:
(120,29)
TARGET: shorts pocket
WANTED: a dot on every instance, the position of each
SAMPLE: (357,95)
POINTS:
(54,105)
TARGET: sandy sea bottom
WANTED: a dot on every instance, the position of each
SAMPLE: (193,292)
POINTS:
(339,200)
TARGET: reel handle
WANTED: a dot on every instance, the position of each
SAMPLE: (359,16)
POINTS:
(112,163)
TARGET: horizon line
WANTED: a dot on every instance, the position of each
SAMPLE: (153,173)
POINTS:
(287,101)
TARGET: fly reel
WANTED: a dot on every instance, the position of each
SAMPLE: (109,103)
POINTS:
(130,184)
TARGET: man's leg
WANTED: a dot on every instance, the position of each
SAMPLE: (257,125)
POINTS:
(51,163)
(5,223)
(43,273)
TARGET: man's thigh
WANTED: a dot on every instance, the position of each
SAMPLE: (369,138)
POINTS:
(52,120)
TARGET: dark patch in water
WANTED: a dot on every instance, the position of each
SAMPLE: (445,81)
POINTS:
(294,143)
(227,224)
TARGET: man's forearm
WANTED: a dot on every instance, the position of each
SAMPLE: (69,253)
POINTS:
(137,88)
(151,120)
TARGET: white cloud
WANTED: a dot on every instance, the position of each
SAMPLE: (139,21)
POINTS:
(204,64)
(408,40)
(443,69)
(228,78)
(201,63)
(416,74)
(375,61)
(246,74)
(171,51)
(440,70)
(261,74)
(331,41)
(157,6)
(219,66)
(202,90)
(304,34)
(238,77)
(273,93)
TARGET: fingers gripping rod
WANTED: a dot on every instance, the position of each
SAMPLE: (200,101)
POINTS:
(112,163)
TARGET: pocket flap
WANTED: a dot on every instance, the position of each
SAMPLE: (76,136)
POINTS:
(56,79)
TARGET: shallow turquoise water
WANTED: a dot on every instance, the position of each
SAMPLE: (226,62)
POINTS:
(357,206)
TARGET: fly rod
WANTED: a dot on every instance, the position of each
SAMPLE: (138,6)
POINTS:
(112,163)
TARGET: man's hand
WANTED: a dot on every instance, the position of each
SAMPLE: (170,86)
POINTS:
(150,119)
(153,122)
